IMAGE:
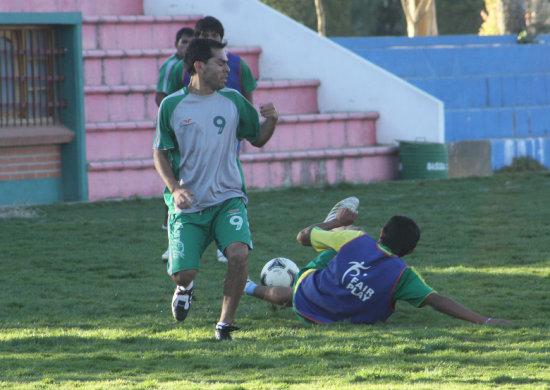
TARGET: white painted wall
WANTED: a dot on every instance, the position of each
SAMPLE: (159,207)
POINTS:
(292,51)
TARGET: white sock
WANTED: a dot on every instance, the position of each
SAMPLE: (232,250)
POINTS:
(181,288)
(250,287)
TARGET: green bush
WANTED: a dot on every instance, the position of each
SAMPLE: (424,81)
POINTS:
(523,164)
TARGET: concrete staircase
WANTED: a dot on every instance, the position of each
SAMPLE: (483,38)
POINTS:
(122,55)
(494,89)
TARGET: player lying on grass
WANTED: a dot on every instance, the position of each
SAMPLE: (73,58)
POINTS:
(357,278)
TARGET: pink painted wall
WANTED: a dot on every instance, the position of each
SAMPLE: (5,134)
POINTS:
(87,7)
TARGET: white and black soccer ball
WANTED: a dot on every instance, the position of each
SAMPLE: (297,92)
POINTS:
(279,271)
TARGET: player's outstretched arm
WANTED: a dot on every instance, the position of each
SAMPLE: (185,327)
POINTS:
(344,217)
(452,308)
(267,129)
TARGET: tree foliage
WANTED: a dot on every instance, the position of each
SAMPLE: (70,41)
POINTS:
(380,17)
(503,17)
(459,17)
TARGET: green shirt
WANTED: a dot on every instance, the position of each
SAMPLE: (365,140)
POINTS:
(175,81)
(164,73)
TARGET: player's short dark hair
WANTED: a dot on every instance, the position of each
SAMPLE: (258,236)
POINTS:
(401,235)
(199,49)
(184,31)
(209,23)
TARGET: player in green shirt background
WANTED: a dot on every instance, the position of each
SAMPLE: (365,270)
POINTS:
(240,76)
(183,37)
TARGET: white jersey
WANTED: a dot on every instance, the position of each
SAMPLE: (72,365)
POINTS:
(201,133)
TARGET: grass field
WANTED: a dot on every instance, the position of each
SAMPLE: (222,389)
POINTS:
(85,299)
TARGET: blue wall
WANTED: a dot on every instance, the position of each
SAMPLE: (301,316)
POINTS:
(30,191)
(492,87)
(504,150)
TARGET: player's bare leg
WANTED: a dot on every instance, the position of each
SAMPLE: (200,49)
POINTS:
(274,294)
(235,280)
(184,278)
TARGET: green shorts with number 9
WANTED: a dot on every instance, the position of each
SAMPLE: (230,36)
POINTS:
(190,234)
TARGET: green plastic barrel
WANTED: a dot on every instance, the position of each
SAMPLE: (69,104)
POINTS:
(423,160)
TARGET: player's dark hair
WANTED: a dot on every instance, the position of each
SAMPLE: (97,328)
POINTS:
(188,31)
(401,235)
(199,49)
(209,23)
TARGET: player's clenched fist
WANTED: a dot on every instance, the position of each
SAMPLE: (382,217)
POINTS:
(182,198)
(268,111)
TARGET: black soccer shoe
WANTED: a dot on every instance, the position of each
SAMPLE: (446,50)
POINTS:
(181,302)
(223,332)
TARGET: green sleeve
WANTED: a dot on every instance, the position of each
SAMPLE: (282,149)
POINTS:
(162,77)
(165,137)
(411,288)
(175,80)
(248,83)
(249,121)
(320,262)
(164,73)
(322,259)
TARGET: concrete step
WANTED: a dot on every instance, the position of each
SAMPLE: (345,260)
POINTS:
(134,140)
(123,179)
(87,7)
(497,122)
(504,90)
(114,103)
(132,32)
(126,178)
(119,141)
(120,103)
(141,66)
(459,55)
(320,131)
(289,96)
(320,167)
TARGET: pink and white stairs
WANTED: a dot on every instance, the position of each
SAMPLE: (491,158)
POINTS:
(122,55)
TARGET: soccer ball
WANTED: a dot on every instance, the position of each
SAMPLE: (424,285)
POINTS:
(279,271)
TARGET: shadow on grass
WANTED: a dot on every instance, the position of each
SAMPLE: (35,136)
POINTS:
(379,353)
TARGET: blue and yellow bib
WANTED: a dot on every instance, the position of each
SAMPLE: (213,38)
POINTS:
(357,285)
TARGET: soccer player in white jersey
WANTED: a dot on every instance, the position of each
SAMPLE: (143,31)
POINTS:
(195,154)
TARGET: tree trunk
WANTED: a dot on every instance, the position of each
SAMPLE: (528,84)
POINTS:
(320,10)
(421,17)
(513,16)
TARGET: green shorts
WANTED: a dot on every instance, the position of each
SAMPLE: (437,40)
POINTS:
(190,234)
